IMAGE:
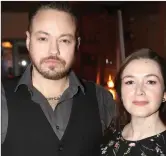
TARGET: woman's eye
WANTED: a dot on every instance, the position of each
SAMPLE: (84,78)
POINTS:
(151,82)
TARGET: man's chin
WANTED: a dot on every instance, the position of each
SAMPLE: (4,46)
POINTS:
(55,76)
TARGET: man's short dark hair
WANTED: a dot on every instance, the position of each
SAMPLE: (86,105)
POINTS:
(58,5)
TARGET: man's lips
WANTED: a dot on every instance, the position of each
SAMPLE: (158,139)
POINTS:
(52,61)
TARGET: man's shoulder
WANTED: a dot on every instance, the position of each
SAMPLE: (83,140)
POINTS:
(99,88)
(10,84)
(11,81)
(84,81)
(102,90)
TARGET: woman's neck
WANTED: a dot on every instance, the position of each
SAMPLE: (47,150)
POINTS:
(140,128)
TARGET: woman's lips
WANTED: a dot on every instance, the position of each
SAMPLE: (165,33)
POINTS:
(140,103)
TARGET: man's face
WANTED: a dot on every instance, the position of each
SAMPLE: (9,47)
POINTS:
(51,43)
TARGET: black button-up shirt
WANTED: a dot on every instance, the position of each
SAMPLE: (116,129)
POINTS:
(59,117)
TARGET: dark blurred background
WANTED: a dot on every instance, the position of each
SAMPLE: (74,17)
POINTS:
(103,43)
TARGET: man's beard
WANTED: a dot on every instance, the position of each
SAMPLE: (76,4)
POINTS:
(53,72)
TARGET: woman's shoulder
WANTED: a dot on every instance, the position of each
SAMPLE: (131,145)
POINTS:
(160,139)
(164,134)
(157,143)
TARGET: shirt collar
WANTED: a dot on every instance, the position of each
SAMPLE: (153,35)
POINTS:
(26,79)
(75,81)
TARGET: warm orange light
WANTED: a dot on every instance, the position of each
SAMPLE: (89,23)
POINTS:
(98,78)
(110,83)
(6,44)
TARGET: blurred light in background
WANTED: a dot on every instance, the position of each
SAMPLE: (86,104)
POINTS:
(107,61)
(110,82)
(24,63)
(110,85)
(7,44)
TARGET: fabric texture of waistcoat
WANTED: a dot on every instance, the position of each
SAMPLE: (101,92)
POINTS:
(30,134)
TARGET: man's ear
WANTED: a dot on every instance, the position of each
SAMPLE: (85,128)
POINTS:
(78,43)
(27,39)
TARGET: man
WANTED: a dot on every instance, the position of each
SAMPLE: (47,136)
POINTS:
(52,112)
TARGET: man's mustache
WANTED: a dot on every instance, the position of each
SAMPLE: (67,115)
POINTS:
(63,62)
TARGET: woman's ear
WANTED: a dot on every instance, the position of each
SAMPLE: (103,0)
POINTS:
(164,97)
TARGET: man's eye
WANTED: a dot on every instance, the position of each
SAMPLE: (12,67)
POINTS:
(42,39)
(66,41)
(129,82)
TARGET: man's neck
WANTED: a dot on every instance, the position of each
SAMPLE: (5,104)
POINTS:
(140,128)
(49,88)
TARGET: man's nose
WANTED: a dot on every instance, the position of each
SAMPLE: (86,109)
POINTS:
(54,48)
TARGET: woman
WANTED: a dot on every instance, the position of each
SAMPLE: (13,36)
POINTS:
(141,88)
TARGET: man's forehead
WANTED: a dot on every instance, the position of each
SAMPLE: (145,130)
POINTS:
(50,24)
(54,16)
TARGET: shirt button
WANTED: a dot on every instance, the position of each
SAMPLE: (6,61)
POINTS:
(60,147)
(57,127)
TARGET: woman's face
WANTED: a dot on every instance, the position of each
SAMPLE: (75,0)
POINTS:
(142,89)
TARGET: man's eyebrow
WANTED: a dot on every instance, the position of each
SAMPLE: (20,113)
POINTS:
(42,32)
(62,35)
(67,35)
